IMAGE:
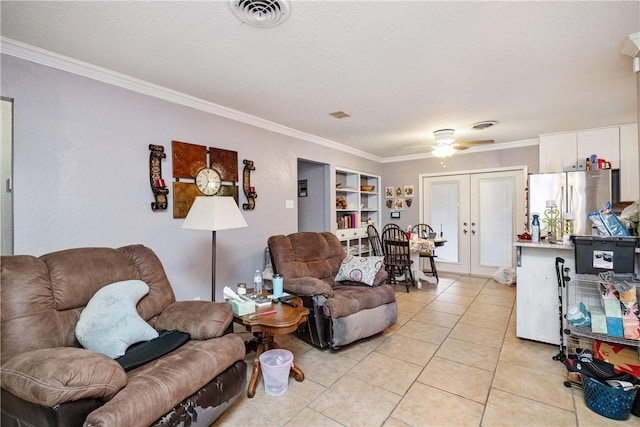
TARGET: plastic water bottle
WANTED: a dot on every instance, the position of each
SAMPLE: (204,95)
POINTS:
(535,228)
(257,282)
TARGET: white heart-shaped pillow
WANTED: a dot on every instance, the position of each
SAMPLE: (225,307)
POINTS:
(110,323)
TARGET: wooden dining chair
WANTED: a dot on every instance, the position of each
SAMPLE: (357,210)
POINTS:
(397,258)
(424,231)
(375,245)
(390,225)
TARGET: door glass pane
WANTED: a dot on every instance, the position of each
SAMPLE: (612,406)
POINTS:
(445,217)
(496,204)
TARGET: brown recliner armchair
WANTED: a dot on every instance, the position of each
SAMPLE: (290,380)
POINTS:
(49,379)
(340,312)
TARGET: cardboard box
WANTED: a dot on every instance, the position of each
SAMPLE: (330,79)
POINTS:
(623,358)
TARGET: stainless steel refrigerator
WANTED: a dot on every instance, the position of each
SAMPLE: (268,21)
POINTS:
(579,193)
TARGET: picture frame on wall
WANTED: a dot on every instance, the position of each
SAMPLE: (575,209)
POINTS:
(395,215)
(408,191)
(388,193)
(399,204)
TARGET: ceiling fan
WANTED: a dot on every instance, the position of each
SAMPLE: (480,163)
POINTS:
(446,143)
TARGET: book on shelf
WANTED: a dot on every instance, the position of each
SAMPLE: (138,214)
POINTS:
(349,221)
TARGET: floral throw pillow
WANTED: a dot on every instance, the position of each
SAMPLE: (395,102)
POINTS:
(359,269)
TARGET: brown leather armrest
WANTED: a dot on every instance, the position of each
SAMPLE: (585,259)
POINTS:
(52,376)
(308,286)
(201,319)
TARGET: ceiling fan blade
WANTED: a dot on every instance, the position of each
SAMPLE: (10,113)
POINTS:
(415,147)
(471,143)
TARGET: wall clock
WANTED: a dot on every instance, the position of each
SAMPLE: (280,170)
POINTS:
(208,181)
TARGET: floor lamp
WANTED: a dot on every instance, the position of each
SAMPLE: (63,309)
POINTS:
(214,213)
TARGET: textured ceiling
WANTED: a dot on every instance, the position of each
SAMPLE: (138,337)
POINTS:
(401,69)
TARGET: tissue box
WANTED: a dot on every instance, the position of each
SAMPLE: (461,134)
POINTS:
(614,327)
(631,328)
(612,308)
(247,306)
(598,320)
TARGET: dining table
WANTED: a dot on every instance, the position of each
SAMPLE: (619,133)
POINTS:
(416,246)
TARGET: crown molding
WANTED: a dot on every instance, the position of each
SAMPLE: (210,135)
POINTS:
(64,63)
(479,149)
(631,45)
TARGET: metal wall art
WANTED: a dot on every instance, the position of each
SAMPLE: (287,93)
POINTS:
(158,186)
(249,191)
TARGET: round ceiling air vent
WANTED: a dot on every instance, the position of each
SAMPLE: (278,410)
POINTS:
(261,13)
(484,124)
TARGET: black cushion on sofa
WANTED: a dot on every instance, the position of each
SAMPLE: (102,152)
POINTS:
(140,353)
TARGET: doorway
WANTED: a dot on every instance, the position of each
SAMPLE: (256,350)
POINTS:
(313,196)
(6,173)
(478,214)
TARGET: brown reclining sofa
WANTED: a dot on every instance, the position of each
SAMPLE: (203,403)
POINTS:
(49,379)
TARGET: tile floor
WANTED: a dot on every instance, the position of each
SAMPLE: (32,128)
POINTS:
(452,359)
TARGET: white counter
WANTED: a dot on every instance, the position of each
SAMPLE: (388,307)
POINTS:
(537,296)
(537,292)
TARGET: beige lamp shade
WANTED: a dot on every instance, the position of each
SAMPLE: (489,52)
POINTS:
(214,213)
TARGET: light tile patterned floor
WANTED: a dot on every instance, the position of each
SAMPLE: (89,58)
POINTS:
(451,360)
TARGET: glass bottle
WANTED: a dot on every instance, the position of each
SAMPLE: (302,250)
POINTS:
(257,283)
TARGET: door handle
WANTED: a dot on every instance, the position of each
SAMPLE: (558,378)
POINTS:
(473,232)
(465,231)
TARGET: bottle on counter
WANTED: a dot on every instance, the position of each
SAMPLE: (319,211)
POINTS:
(535,228)
(257,283)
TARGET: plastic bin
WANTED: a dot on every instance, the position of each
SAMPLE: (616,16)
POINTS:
(595,254)
(275,365)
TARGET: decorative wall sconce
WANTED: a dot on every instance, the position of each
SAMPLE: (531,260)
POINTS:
(158,185)
(249,191)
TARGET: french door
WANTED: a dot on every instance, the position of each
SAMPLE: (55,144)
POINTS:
(478,214)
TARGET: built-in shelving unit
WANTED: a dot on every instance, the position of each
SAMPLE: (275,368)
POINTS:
(357,200)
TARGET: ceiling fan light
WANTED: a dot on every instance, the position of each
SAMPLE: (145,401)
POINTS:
(443,150)
(444,136)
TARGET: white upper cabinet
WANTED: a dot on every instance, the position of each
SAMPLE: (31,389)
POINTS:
(558,152)
(568,151)
(605,143)
(629,163)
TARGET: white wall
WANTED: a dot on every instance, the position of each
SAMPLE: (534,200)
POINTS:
(81,175)
(399,174)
